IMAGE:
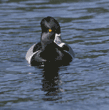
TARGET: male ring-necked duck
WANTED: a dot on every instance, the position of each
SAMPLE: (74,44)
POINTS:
(51,48)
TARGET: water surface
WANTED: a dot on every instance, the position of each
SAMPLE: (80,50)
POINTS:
(82,85)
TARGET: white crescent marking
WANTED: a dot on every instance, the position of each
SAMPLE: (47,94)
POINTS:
(29,59)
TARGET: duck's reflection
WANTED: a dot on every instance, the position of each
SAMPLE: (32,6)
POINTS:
(51,82)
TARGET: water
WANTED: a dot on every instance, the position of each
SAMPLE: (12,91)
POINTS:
(84,84)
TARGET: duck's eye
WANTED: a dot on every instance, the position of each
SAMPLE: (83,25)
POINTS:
(50,30)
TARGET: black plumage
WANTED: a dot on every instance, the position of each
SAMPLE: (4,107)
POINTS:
(51,48)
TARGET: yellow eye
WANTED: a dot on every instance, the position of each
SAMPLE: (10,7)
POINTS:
(50,30)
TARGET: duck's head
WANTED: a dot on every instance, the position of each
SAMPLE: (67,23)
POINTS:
(50,30)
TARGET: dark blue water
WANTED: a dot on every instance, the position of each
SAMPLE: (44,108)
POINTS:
(82,85)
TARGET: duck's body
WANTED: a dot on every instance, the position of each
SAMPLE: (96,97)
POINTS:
(51,49)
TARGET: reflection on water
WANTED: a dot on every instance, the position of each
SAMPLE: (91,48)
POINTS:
(82,85)
(51,82)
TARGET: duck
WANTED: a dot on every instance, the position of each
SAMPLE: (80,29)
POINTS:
(51,48)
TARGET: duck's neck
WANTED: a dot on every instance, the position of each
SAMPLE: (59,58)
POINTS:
(47,40)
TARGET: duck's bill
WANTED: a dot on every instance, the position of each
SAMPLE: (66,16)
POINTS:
(61,44)
(58,40)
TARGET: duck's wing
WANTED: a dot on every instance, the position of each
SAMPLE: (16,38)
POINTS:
(32,50)
(37,47)
(68,49)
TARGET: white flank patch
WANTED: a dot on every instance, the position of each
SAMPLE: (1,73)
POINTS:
(29,59)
